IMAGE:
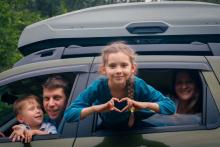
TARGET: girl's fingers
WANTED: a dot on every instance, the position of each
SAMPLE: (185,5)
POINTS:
(115,99)
(116,109)
(125,108)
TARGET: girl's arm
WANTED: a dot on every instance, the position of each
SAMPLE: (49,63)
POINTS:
(141,105)
(146,105)
(153,99)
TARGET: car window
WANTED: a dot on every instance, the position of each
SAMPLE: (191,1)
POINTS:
(14,90)
(163,80)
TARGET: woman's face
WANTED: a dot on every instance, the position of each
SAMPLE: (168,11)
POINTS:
(185,86)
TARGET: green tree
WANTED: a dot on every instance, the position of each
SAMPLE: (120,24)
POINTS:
(13,18)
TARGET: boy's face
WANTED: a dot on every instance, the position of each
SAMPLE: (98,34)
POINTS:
(54,101)
(31,114)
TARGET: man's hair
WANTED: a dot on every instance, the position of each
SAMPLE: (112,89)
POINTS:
(20,103)
(57,81)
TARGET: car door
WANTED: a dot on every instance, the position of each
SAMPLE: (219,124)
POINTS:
(28,79)
(157,70)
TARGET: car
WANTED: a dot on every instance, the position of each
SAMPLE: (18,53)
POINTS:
(167,36)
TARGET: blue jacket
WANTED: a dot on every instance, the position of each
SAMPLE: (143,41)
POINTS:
(99,93)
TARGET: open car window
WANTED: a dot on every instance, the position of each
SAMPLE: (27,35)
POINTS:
(17,89)
(163,80)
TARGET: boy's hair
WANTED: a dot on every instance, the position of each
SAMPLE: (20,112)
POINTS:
(118,47)
(57,81)
(20,103)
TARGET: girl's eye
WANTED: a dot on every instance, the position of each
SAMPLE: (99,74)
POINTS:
(124,65)
(112,65)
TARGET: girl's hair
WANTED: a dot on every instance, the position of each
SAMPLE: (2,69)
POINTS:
(115,48)
(195,104)
(20,103)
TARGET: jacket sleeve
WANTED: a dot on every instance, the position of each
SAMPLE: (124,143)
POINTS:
(149,94)
(85,99)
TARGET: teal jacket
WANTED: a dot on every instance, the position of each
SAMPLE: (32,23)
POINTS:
(99,93)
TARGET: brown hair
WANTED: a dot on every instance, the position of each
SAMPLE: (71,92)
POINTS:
(118,47)
(20,103)
(57,81)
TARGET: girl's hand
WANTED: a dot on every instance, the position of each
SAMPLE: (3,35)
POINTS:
(109,106)
(136,105)
(132,104)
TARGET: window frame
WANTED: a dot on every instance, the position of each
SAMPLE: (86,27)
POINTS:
(75,70)
(92,119)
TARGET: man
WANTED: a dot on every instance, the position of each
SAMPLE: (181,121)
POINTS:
(55,95)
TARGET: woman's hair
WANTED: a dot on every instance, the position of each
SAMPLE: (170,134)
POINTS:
(195,103)
(116,47)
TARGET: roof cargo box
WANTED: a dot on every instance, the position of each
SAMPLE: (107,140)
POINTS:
(91,26)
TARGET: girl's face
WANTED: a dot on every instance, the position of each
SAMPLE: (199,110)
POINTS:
(118,68)
(185,87)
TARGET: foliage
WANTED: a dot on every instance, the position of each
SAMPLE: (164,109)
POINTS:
(16,14)
(14,17)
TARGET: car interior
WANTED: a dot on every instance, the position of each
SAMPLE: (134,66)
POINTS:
(9,93)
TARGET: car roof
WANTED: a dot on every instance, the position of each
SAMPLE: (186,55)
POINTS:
(123,20)
(50,64)
(87,61)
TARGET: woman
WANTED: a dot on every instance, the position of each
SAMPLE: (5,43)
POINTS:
(187,89)
(187,92)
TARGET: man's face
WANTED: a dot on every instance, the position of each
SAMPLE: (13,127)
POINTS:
(54,101)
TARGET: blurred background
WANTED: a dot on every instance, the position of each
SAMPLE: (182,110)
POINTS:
(16,14)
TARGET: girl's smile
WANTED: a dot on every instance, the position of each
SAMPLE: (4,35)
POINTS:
(118,68)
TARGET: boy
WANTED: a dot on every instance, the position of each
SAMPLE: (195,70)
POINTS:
(29,113)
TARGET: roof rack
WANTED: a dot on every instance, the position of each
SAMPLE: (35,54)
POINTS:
(73,51)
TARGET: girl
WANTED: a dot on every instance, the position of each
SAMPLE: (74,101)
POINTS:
(120,98)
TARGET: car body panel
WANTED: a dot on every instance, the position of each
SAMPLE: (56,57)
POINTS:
(214,86)
(172,139)
(215,63)
(14,144)
(67,142)
(80,62)
(197,62)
